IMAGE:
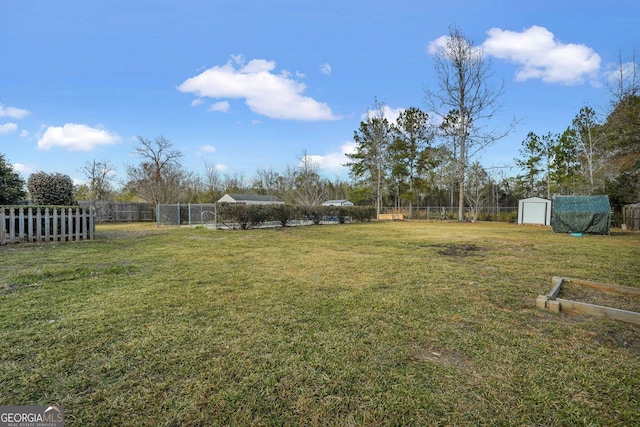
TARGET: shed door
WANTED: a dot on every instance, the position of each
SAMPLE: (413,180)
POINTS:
(534,213)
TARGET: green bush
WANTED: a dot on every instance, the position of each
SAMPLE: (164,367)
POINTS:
(281,213)
(251,216)
(509,217)
(53,189)
(11,184)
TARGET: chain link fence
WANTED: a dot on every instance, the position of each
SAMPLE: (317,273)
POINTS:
(486,213)
(187,214)
(208,215)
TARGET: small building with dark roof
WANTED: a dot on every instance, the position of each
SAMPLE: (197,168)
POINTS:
(251,199)
(337,203)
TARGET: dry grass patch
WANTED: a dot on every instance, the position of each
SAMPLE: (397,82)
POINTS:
(366,324)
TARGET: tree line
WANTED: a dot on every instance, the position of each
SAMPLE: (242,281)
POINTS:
(425,159)
(419,159)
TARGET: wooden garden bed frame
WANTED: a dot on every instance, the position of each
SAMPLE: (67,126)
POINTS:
(553,303)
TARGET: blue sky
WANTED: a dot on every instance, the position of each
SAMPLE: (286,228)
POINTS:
(248,85)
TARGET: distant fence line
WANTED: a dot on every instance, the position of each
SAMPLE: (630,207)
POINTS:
(489,213)
(106,211)
(209,214)
(186,214)
(205,213)
(38,224)
(242,216)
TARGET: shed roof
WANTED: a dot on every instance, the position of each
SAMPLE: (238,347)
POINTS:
(337,202)
(255,198)
(535,199)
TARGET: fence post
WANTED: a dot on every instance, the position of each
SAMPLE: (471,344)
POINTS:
(63,224)
(47,226)
(30,225)
(77,233)
(3,225)
(55,224)
(38,225)
(85,222)
(21,224)
(92,224)
(12,225)
(70,224)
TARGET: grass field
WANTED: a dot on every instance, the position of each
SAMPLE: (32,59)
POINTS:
(403,323)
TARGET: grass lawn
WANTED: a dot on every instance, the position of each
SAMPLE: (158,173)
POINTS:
(403,323)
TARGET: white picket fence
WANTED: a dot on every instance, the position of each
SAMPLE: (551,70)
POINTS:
(45,224)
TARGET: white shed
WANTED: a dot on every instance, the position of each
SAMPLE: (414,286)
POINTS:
(534,210)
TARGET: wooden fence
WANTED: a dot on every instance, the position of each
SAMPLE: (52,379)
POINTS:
(45,224)
(631,217)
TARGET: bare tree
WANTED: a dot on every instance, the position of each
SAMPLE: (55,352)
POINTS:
(465,98)
(233,183)
(590,141)
(267,181)
(311,189)
(477,188)
(622,125)
(625,82)
(159,178)
(212,179)
(99,175)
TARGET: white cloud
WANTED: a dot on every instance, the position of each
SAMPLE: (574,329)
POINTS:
(325,69)
(19,167)
(222,106)
(437,44)
(391,114)
(207,149)
(24,169)
(196,102)
(13,112)
(334,162)
(541,56)
(220,167)
(8,127)
(277,96)
(24,133)
(76,137)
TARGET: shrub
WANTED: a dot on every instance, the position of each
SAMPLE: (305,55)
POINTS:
(281,213)
(53,189)
(251,216)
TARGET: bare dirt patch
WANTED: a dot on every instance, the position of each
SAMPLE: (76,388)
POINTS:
(442,356)
(459,250)
(628,338)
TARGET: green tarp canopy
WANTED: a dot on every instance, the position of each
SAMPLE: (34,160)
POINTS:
(581,214)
